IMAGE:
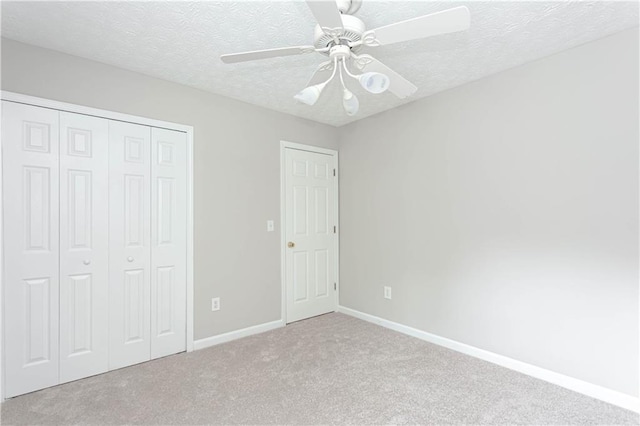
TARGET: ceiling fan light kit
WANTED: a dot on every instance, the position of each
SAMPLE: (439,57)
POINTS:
(340,35)
(373,82)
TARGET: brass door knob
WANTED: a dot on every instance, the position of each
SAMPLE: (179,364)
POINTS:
(291,244)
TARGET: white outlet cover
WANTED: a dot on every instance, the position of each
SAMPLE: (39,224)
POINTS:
(270,226)
(215,304)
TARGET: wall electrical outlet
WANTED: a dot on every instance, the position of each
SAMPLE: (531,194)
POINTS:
(270,226)
(215,304)
(387,292)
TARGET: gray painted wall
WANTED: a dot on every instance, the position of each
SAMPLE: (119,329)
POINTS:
(504,213)
(237,172)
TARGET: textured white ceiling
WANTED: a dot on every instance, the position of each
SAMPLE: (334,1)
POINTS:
(182,42)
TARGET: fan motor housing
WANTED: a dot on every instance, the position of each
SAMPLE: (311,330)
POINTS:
(353,29)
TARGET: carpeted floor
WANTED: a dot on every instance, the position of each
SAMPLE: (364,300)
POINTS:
(331,369)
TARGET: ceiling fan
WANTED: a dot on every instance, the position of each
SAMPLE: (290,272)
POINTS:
(340,36)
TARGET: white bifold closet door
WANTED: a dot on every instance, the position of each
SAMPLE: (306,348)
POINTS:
(31,249)
(130,244)
(55,245)
(84,245)
(148,243)
(168,242)
(95,250)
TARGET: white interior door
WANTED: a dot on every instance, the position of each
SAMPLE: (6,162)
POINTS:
(84,245)
(169,242)
(130,244)
(30,199)
(310,220)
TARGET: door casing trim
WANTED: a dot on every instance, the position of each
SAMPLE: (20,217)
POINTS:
(284,145)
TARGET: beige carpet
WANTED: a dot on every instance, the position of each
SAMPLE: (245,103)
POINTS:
(332,369)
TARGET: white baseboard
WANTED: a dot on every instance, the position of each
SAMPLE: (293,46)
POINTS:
(237,334)
(604,394)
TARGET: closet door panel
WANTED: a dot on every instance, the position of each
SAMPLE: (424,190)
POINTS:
(169,242)
(31,252)
(84,245)
(130,244)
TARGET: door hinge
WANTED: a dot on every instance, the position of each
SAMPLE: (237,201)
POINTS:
(334,172)
(335,286)
(334,229)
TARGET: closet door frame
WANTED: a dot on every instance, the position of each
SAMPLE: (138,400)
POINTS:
(63,106)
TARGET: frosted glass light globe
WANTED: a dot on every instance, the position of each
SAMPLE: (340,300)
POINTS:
(374,82)
(309,95)
(350,102)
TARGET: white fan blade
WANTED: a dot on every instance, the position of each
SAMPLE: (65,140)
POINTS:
(326,13)
(322,73)
(447,21)
(265,54)
(398,85)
